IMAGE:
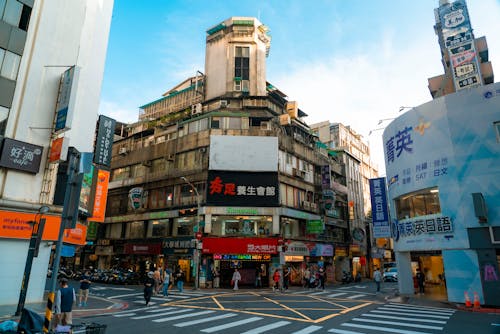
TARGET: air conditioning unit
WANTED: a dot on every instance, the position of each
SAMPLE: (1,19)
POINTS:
(122,151)
(265,126)
(299,173)
(223,103)
(170,157)
(196,109)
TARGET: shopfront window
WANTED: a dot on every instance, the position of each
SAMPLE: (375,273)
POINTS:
(135,230)
(113,231)
(242,225)
(184,226)
(420,203)
(160,228)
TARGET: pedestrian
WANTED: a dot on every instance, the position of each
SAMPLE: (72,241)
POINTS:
(84,289)
(157,278)
(421,281)
(322,278)
(180,277)
(236,278)
(166,282)
(307,277)
(216,278)
(286,278)
(276,280)
(149,283)
(63,308)
(377,277)
(258,277)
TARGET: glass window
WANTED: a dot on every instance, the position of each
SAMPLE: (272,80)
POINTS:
(120,173)
(25,18)
(138,170)
(215,123)
(161,228)
(184,226)
(135,230)
(114,231)
(2,55)
(4,115)
(10,65)
(233,123)
(12,13)
(242,225)
(420,203)
(242,63)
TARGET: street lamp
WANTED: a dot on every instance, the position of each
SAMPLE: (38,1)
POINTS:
(404,107)
(196,253)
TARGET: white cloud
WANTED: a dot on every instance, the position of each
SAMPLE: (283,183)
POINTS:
(121,113)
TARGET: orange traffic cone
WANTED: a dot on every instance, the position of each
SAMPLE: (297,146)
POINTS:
(476,300)
(467,300)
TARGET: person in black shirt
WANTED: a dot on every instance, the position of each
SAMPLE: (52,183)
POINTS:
(84,289)
(149,283)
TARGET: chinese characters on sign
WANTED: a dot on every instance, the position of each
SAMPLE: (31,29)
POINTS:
(104,141)
(419,227)
(427,169)
(243,257)
(380,216)
(268,249)
(21,156)
(216,186)
(399,143)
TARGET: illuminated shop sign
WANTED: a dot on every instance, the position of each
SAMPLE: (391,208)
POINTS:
(228,188)
(243,257)
(421,227)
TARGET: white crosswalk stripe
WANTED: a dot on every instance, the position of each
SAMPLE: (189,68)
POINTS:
(199,321)
(341,331)
(308,329)
(318,293)
(160,314)
(266,328)
(337,294)
(356,296)
(385,329)
(230,325)
(392,312)
(415,307)
(398,323)
(190,315)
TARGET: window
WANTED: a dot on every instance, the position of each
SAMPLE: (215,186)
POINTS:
(120,173)
(161,228)
(114,231)
(184,226)
(9,63)
(420,203)
(242,63)
(12,12)
(135,230)
(4,115)
(215,123)
(25,18)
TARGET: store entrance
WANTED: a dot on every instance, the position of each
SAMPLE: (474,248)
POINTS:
(247,271)
(430,263)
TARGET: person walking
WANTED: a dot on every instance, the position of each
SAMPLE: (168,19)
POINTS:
(286,278)
(236,278)
(322,278)
(63,308)
(276,279)
(83,294)
(166,282)
(180,277)
(377,277)
(157,278)
(149,283)
(258,276)
(307,277)
(421,281)
(216,278)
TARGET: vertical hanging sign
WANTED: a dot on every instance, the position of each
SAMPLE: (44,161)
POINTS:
(104,141)
(380,216)
(66,99)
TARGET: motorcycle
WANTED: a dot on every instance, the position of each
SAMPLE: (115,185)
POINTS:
(347,278)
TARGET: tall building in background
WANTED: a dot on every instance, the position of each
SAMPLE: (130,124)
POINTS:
(464,57)
(52,56)
(359,169)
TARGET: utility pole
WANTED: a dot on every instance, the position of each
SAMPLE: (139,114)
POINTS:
(68,220)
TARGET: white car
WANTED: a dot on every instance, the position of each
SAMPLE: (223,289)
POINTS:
(391,275)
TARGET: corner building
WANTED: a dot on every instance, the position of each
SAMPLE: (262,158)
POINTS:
(224,153)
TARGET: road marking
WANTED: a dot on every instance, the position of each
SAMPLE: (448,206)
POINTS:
(360,286)
(142,302)
(199,321)
(266,328)
(190,315)
(160,314)
(341,331)
(403,324)
(136,309)
(124,314)
(230,325)
(401,318)
(430,308)
(356,296)
(318,293)
(385,329)
(127,295)
(161,310)
(409,314)
(337,294)
(309,329)
(409,309)
(120,289)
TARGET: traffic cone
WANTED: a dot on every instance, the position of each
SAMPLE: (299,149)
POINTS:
(467,300)
(476,300)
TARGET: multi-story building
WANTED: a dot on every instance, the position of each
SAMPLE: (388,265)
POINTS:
(464,57)
(225,157)
(355,155)
(37,45)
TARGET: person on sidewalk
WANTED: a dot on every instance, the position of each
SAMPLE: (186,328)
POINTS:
(216,278)
(421,281)
(276,279)
(180,277)
(149,283)
(166,282)
(377,277)
(286,278)
(84,289)
(236,278)
(63,308)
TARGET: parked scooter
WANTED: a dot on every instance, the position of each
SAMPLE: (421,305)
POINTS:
(347,277)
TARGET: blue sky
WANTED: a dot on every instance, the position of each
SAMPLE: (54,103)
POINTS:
(349,61)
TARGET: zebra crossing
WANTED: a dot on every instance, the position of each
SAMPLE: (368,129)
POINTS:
(340,293)
(386,318)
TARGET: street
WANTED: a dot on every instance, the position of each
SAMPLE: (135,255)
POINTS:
(349,309)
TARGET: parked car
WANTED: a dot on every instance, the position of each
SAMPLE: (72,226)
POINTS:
(391,274)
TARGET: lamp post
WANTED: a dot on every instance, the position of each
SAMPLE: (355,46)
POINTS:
(196,253)
(36,236)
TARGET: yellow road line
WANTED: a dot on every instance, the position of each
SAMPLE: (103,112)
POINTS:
(217,302)
(341,312)
(289,309)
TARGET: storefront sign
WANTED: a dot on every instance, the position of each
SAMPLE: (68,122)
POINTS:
(59,149)
(243,257)
(240,245)
(66,99)
(315,226)
(358,234)
(341,251)
(178,243)
(308,249)
(135,196)
(91,231)
(380,216)
(101,196)
(421,227)
(143,216)
(296,248)
(21,156)
(298,214)
(144,249)
(242,188)
(104,250)
(104,141)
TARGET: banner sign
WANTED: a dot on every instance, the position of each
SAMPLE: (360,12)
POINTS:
(66,99)
(380,216)
(59,149)
(104,141)
(228,188)
(240,245)
(417,227)
(315,226)
(144,249)
(21,156)
(101,196)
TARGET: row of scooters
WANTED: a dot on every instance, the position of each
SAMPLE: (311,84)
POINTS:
(348,278)
(111,276)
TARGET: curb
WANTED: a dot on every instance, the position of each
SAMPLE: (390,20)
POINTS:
(478,310)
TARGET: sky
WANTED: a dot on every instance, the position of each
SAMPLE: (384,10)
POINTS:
(354,62)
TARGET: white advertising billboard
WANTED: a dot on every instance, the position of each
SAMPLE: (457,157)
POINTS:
(244,153)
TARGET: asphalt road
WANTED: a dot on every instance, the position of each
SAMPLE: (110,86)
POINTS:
(350,309)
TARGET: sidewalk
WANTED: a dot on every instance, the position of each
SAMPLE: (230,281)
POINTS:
(95,305)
